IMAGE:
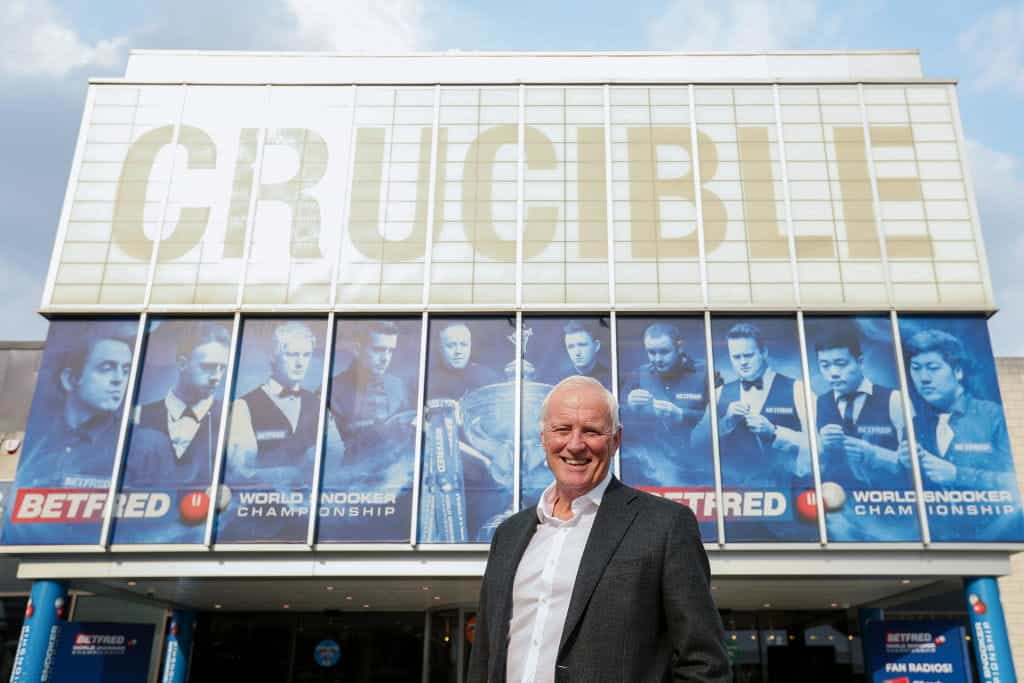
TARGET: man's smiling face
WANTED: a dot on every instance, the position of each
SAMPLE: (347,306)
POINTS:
(578,439)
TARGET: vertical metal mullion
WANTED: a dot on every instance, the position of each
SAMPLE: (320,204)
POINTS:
(811,429)
(460,645)
(610,210)
(159,237)
(517,415)
(421,389)
(69,194)
(908,418)
(695,162)
(346,203)
(780,137)
(876,205)
(122,435)
(972,202)
(520,199)
(218,460)
(428,254)
(613,340)
(318,454)
(425,677)
(250,221)
(716,454)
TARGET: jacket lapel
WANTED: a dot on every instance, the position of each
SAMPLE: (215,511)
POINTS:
(613,519)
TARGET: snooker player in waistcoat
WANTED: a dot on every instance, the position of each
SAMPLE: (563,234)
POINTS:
(760,417)
(175,437)
(274,427)
(860,425)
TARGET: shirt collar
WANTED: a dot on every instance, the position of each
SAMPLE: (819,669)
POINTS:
(273,387)
(175,406)
(592,498)
(865,387)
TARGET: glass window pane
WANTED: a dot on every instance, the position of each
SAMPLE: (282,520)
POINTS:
(663,398)
(468,422)
(169,456)
(767,480)
(63,476)
(867,487)
(272,432)
(367,477)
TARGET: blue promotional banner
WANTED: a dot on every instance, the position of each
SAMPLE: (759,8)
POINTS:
(970,486)
(762,423)
(63,478)
(663,397)
(991,639)
(915,652)
(93,652)
(867,489)
(170,449)
(553,349)
(367,475)
(273,432)
(468,422)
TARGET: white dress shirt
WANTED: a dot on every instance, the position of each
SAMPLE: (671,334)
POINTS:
(181,427)
(544,583)
(791,441)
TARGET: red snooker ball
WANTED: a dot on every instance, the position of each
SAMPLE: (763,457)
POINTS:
(193,508)
(807,506)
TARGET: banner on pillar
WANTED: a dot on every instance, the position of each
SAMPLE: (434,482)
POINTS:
(915,652)
(94,652)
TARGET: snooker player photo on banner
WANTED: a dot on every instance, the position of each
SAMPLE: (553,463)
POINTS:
(367,476)
(762,430)
(663,403)
(466,475)
(554,348)
(273,432)
(172,443)
(867,489)
(61,485)
(963,447)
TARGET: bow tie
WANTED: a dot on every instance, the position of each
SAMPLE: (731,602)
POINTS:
(850,397)
(188,412)
(753,384)
(288,393)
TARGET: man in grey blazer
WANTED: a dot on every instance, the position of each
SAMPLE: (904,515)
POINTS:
(598,582)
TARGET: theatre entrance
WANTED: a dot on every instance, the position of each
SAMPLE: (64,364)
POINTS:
(765,646)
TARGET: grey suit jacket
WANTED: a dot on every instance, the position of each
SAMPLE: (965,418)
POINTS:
(641,608)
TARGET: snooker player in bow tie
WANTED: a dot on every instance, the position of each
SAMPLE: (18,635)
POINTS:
(761,415)
(860,422)
(274,426)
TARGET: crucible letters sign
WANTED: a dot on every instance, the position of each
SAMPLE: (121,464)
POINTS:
(227,195)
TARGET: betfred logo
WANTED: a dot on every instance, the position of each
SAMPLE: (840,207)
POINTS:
(901,679)
(77,506)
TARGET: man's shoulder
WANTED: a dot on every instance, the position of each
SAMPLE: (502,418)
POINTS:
(515,522)
(659,506)
(153,415)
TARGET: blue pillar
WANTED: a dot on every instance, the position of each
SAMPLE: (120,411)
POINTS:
(178,646)
(988,630)
(47,608)
(866,615)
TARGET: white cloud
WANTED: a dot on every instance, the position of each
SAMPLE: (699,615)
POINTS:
(38,42)
(360,25)
(740,25)
(994,47)
(999,184)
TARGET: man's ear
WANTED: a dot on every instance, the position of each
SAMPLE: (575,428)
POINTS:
(67,380)
(597,345)
(181,361)
(959,374)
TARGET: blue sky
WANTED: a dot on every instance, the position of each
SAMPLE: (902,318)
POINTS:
(51,47)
